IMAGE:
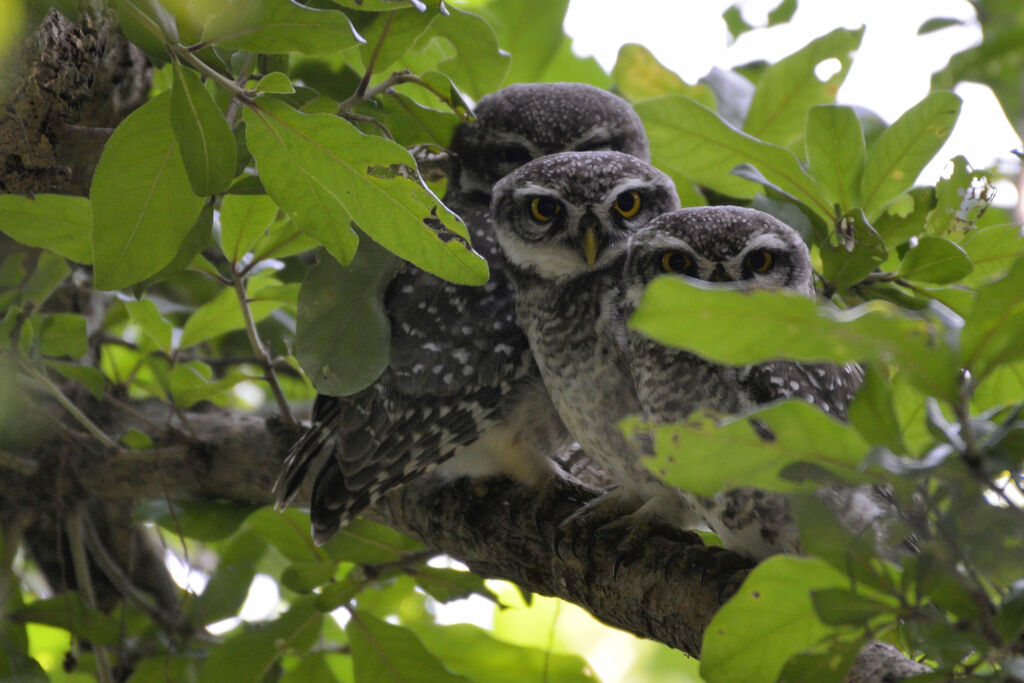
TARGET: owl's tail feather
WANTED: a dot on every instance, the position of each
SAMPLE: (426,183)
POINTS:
(307,451)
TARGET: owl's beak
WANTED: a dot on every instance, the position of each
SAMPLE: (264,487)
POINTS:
(590,243)
(719,274)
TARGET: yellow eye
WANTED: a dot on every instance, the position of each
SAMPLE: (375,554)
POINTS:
(628,203)
(676,262)
(760,261)
(544,208)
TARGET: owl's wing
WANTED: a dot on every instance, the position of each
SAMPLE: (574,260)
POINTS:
(457,357)
(829,387)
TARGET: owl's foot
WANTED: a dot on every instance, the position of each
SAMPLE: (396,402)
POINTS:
(622,524)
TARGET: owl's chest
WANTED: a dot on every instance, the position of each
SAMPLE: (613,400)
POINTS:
(580,362)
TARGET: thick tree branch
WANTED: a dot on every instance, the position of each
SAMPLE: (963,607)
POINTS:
(668,592)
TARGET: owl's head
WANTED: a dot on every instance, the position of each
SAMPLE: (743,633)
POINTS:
(526,121)
(568,214)
(719,244)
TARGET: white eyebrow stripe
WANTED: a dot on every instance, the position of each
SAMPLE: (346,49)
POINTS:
(532,189)
(766,241)
(662,241)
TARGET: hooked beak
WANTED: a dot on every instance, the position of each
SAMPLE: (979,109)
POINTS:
(590,243)
(719,274)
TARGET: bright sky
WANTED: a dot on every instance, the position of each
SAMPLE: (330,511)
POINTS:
(891,71)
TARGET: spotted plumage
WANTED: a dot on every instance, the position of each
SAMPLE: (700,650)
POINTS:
(730,244)
(461,380)
(562,223)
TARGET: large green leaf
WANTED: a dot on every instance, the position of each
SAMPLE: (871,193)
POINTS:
(639,76)
(690,140)
(280,26)
(768,621)
(994,329)
(704,319)
(58,222)
(143,204)
(934,259)
(204,138)
(250,655)
(328,176)
(384,653)
(343,336)
(480,66)
(703,457)
(993,250)
(905,148)
(69,612)
(532,32)
(790,87)
(835,153)
(470,651)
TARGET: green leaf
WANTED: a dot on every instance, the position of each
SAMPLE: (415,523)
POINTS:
(835,152)
(640,76)
(699,316)
(839,606)
(205,140)
(244,218)
(225,593)
(472,652)
(275,82)
(873,412)
(144,313)
(768,621)
(689,140)
(288,532)
(962,198)
(203,521)
(191,382)
(409,122)
(282,239)
(69,612)
(480,66)
(197,238)
(993,249)
(993,332)
(62,334)
(224,312)
(853,251)
(58,222)
(147,24)
(49,272)
(328,177)
(830,666)
(905,216)
(385,653)
(248,656)
(704,456)
(276,27)
(91,378)
(143,205)
(136,439)
(365,542)
(403,29)
(446,585)
(934,259)
(343,335)
(905,148)
(303,577)
(532,32)
(937,24)
(790,87)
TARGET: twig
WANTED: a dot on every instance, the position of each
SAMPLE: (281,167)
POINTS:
(83,579)
(261,352)
(76,413)
(25,466)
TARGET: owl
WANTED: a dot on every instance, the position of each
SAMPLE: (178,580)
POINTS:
(753,249)
(562,223)
(461,380)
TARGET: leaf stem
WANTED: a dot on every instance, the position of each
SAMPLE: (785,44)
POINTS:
(80,563)
(69,406)
(261,353)
(184,55)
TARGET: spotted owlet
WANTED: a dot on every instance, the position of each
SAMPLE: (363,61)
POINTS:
(732,244)
(563,223)
(461,380)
